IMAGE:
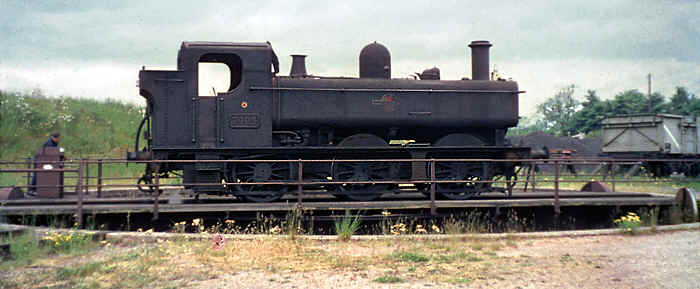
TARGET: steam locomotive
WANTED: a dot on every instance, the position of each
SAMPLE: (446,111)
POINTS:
(263,116)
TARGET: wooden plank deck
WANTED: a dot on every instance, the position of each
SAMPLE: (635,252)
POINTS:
(520,200)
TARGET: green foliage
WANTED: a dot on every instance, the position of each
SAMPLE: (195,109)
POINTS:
(563,114)
(684,103)
(527,125)
(589,118)
(558,111)
(629,224)
(388,279)
(293,224)
(80,271)
(410,256)
(88,127)
(24,249)
(68,243)
(469,257)
(347,227)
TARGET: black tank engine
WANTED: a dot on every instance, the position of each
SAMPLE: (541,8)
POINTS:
(264,116)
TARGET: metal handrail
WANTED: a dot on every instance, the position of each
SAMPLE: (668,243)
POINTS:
(83,177)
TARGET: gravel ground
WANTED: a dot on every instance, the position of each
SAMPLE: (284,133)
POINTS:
(662,260)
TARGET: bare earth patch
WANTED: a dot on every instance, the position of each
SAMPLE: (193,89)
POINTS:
(647,261)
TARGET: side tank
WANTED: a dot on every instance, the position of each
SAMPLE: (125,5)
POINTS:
(394,103)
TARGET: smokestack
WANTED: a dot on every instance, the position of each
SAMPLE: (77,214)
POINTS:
(298,66)
(480,59)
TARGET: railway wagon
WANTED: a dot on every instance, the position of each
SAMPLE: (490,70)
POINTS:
(264,116)
(661,137)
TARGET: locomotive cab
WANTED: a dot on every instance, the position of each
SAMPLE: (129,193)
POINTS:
(182,117)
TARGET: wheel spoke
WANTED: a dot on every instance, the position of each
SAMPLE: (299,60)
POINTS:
(363,171)
(245,172)
(469,173)
(261,172)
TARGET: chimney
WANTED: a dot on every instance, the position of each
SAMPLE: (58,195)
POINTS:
(480,59)
(298,66)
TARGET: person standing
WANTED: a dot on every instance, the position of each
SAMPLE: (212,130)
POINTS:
(53,141)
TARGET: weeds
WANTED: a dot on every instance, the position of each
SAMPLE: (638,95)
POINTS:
(347,227)
(81,271)
(293,223)
(566,258)
(25,249)
(650,217)
(470,222)
(68,243)
(413,256)
(461,280)
(388,279)
(469,257)
(629,224)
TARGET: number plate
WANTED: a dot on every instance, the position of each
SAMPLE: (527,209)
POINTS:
(244,120)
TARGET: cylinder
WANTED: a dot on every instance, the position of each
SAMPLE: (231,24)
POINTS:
(375,61)
(480,59)
(298,66)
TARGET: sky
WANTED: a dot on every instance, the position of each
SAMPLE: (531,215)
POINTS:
(94,49)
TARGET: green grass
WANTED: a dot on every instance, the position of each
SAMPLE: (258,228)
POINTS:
(388,279)
(461,256)
(71,243)
(347,226)
(410,256)
(80,271)
(26,248)
(129,270)
(461,280)
(638,183)
(89,128)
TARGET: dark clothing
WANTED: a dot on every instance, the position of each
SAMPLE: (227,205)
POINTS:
(48,143)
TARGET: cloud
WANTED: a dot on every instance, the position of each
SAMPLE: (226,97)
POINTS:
(598,44)
(606,77)
(93,79)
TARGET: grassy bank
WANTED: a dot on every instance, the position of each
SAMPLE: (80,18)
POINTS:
(88,127)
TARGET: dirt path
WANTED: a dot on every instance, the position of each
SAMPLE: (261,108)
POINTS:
(662,260)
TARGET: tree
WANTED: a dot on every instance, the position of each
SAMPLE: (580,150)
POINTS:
(591,114)
(635,102)
(558,112)
(679,101)
(527,125)
(684,103)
